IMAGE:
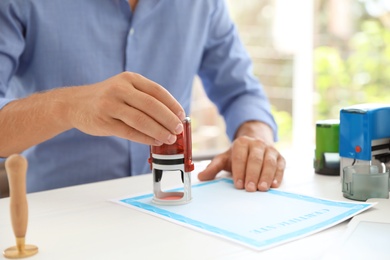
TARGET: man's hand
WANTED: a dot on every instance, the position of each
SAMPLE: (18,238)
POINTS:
(252,159)
(129,106)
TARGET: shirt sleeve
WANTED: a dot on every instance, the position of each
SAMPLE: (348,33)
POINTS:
(227,76)
(11,45)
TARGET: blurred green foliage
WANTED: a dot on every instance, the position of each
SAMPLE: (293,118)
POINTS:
(360,74)
(284,121)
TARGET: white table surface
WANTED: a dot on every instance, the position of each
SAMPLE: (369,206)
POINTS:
(81,223)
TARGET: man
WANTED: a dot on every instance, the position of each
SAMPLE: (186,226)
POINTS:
(86,87)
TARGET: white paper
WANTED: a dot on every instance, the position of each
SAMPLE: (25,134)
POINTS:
(258,220)
(363,240)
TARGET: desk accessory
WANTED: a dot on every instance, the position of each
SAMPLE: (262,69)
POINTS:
(170,158)
(16,167)
(327,159)
(361,182)
(365,151)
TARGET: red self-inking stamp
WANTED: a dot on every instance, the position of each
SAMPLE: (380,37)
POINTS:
(173,158)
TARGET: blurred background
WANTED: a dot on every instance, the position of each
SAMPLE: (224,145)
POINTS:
(313,58)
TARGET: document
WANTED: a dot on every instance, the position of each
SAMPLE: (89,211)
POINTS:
(258,220)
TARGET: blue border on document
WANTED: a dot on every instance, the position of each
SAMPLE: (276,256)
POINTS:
(253,242)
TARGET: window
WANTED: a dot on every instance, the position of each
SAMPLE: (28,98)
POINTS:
(312,58)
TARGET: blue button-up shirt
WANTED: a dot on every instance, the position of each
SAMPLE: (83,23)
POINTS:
(46,44)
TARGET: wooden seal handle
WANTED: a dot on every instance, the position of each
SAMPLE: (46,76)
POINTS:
(16,167)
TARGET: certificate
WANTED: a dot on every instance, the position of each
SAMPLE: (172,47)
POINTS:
(258,220)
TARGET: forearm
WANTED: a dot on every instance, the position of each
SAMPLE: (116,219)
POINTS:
(256,129)
(32,120)
(127,105)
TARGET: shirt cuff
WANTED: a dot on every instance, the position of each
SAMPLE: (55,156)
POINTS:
(247,109)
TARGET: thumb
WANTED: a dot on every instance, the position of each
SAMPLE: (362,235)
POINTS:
(215,166)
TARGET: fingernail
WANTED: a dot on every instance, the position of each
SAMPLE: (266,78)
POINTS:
(179,128)
(171,139)
(181,115)
(275,183)
(264,186)
(239,184)
(251,186)
(157,143)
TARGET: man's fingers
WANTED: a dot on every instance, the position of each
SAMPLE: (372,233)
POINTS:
(281,165)
(143,105)
(155,110)
(215,166)
(147,112)
(158,92)
(239,160)
(124,131)
(272,171)
(141,122)
(254,165)
(268,169)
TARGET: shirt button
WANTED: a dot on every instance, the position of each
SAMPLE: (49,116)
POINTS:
(131,31)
